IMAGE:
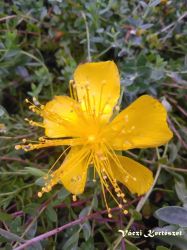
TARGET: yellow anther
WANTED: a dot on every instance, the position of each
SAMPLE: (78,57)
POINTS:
(42,139)
(17,147)
(109,215)
(117,108)
(71,82)
(120,206)
(125,211)
(44,189)
(24,140)
(74,197)
(40,194)
(48,188)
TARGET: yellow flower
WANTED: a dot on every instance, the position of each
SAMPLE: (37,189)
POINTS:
(86,123)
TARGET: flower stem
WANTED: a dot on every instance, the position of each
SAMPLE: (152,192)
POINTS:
(70,224)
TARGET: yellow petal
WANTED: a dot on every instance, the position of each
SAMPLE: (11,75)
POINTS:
(137,178)
(98,87)
(61,117)
(142,124)
(73,172)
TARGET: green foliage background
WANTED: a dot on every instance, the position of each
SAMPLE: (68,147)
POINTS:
(41,43)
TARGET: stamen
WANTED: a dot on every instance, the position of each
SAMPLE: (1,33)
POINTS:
(58,159)
(33,106)
(102,187)
(100,166)
(50,143)
(33,123)
(116,160)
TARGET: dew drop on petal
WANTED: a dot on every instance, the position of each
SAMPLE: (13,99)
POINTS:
(126,118)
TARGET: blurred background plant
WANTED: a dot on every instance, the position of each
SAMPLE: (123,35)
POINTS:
(41,42)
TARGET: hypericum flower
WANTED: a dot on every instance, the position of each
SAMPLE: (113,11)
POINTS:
(86,122)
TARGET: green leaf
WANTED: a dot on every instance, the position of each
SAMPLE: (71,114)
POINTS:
(88,245)
(173,215)
(32,230)
(40,182)
(154,3)
(157,74)
(10,236)
(173,152)
(62,194)
(181,189)
(31,208)
(51,214)
(5,217)
(95,202)
(85,211)
(35,171)
(2,111)
(35,246)
(179,241)
(86,230)
(136,215)
(162,248)
(131,246)
(72,242)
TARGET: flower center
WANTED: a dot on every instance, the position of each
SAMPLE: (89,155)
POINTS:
(91,138)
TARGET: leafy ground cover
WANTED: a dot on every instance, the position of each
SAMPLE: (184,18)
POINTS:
(41,43)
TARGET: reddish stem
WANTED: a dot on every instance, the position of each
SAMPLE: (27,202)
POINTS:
(70,224)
